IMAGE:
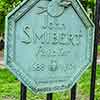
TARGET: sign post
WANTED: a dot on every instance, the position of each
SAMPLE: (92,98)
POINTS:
(23,92)
(73,92)
(97,30)
(49,96)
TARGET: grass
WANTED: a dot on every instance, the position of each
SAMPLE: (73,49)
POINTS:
(99,49)
(10,88)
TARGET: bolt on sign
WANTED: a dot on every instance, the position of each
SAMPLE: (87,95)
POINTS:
(49,44)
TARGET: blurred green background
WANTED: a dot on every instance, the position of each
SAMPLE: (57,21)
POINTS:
(7,5)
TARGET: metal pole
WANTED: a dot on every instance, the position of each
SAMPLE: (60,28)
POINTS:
(23,92)
(49,96)
(73,92)
(93,74)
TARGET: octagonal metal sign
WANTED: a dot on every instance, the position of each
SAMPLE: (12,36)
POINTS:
(49,44)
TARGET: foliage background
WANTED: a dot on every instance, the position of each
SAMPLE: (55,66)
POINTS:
(7,5)
(10,87)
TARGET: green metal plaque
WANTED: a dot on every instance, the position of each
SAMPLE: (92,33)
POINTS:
(49,44)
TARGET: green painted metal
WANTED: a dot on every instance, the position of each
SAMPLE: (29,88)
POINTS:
(48,44)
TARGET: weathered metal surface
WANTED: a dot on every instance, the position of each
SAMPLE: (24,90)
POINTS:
(49,44)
